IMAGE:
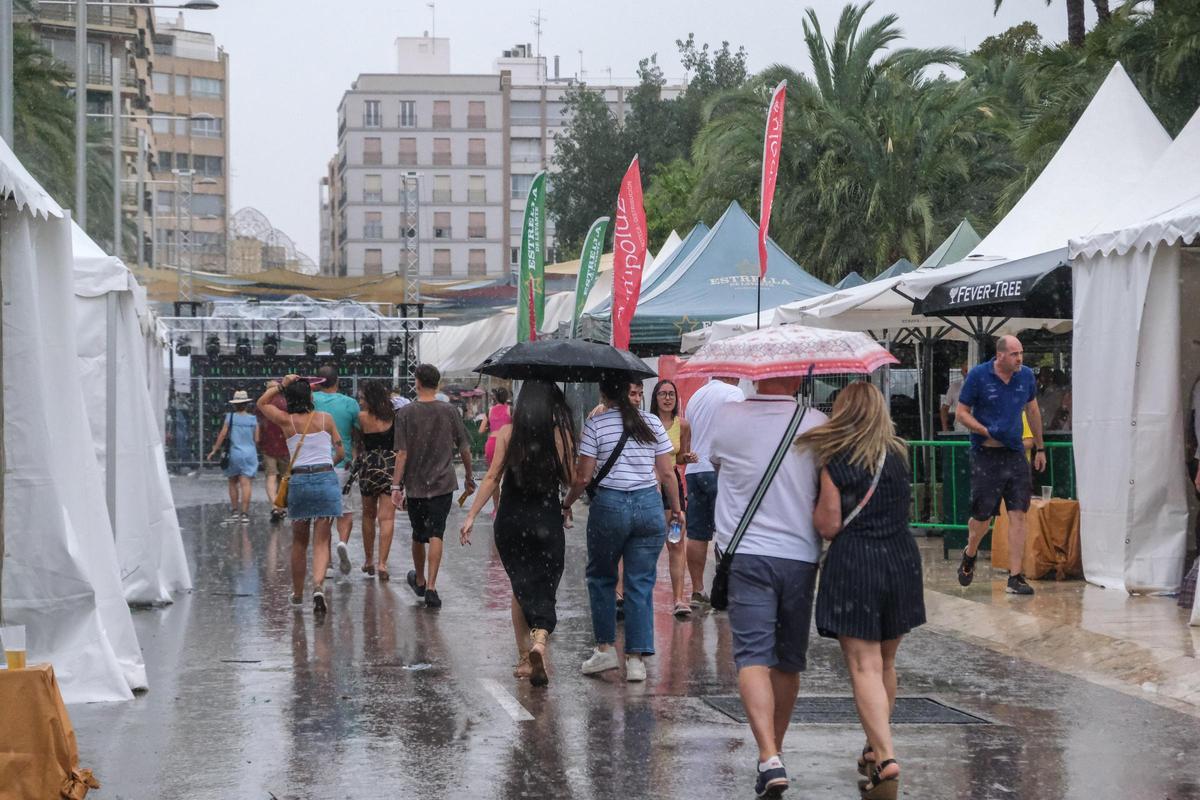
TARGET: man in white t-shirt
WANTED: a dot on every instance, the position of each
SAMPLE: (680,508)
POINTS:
(949,405)
(774,568)
(702,411)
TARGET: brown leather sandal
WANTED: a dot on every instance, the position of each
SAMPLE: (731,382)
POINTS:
(537,657)
(523,669)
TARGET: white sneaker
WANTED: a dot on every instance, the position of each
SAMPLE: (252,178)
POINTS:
(635,669)
(602,661)
(343,553)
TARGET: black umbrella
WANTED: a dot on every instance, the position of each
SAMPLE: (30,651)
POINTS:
(1036,287)
(567,360)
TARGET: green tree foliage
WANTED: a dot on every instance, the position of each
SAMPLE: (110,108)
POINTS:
(44,133)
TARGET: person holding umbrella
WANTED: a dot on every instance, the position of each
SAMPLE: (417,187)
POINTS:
(534,458)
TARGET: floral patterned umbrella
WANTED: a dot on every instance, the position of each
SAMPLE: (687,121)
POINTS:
(781,351)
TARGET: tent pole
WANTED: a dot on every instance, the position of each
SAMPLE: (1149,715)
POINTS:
(758,306)
(110,409)
(4,207)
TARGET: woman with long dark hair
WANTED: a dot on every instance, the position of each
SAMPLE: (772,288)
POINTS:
(664,404)
(871,591)
(314,498)
(624,522)
(533,460)
(377,461)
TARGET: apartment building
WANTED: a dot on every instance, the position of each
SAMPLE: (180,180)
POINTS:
(190,84)
(473,143)
(113,31)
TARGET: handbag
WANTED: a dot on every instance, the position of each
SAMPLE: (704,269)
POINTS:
(719,594)
(282,493)
(594,484)
(228,443)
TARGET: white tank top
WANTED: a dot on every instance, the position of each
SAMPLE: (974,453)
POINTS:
(317,449)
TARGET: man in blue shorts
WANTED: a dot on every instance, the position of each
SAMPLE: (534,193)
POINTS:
(990,405)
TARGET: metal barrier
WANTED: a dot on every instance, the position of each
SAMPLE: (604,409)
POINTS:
(941,485)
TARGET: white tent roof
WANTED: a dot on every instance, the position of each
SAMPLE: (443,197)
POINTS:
(1102,159)
(96,272)
(27,193)
(1164,207)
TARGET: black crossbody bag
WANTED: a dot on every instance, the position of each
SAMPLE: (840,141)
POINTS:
(719,595)
(594,483)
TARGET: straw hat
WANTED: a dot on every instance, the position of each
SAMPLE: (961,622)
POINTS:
(240,397)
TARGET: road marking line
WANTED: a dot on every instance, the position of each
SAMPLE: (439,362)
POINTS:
(509,703)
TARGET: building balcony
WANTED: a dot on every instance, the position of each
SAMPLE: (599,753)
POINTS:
(442,197)
(442,233)
(372,197)
(442,160)
(372,231)
(372,159)
(476,197)
(476,159)
(440,121)
(476,122)
(474,232)
(121,18)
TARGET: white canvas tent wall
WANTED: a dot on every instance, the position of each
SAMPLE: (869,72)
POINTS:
(149,546)
(61,577)
(1136,354)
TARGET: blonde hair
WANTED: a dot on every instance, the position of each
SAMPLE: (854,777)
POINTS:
(860,426)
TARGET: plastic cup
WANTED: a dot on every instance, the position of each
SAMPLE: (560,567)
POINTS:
(13,638)
(1047,493)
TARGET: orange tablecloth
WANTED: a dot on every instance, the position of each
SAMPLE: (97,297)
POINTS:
(1052,541)
(38,754)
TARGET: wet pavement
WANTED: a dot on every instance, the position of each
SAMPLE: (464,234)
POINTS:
(384,698)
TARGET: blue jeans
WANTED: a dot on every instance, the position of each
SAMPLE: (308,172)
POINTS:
(629,526)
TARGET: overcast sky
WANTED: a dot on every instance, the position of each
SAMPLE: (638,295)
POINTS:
(291,60)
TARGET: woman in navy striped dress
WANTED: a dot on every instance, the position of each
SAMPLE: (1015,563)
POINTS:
(871,591)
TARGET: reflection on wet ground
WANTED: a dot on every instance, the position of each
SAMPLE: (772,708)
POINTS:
(384,698)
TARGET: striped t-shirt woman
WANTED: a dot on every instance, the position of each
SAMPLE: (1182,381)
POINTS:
(634,467)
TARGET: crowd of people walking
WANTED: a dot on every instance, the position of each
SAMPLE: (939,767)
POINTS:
(783,492)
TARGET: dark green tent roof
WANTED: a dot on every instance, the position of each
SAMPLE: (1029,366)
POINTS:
(689,243)
(901,266)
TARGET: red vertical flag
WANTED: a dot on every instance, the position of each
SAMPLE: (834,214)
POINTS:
(629,254)
(772,145)
(532,315)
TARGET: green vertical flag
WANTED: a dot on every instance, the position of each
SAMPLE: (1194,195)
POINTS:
(589,268)
(533,254)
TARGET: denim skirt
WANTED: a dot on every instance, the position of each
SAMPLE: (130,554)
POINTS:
(314,495)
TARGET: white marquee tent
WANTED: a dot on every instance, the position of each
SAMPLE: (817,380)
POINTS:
(1136,356)
(60,571)
(149,546)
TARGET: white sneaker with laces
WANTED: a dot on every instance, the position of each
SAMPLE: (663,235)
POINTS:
(635,669)
(343,553)
(601,661)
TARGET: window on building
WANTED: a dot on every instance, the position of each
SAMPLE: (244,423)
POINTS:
(161,83)
(372,262)
(408,114)
(183,161)
(477,263)
(476,114)
(373,189)
(476,225)
(373,225)
(208,205)
(441,225)
(163,161)
(441,153)
(442,265)
(477,152)
(520,186)
(526,112)
(372,150)
(206,87)
(441,189)
(514,256)
(408,152)
(551,256)
(181,85)
(208,166)
(476,189)
(526,150)
(207,127)
(372,115)
(164,201)
(441,114)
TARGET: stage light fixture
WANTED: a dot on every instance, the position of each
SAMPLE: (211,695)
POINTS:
(366,344)
(337,345)
(270,344)
(242,346)
(310,344)
(183,348)
(395,346)
(212,345)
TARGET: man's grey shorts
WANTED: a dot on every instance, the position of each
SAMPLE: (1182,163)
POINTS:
(770,611)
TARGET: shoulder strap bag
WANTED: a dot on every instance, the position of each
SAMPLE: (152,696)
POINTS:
(719,595)
(594,484)
(282,494)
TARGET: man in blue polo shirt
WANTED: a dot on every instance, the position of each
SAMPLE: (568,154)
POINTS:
(990,405)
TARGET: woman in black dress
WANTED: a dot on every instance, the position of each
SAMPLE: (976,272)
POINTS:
(534,459)
(871,591)
(377,461)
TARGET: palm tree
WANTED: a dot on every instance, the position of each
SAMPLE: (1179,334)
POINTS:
(1076,28)
(876,158)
